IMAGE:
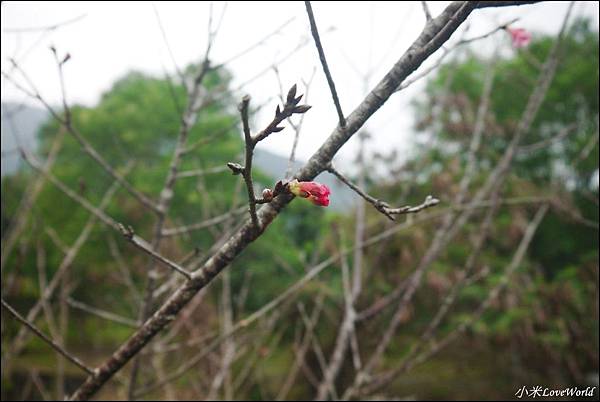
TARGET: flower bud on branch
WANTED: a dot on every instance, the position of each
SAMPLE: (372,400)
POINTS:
(315,192)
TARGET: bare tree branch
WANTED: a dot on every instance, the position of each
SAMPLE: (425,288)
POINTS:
(447,51)
(201,172)
(347,331)
(46,28)
(102,216)
(143,245)
(247,171)
(289,108)
(107,315)
(564,132)
(426,11)
(49,341)
(315,34)
(85,145)
(302,349)
(381,206)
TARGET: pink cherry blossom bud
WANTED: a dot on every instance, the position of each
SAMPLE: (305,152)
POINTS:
(520,37)
(315,192)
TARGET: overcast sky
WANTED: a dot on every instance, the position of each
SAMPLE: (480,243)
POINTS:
(111,39)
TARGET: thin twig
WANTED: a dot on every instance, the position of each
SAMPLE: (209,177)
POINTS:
(39,384)
(49,341)
(143,245)
(446,51)
(255,45)
(297,127)
(85,145)
(166,42)
(426,11)
(124,270)
(290,108)
(346,335)
(107,315)
(315,34)
(58,243)
(479,242)
(303,348)
(46,28)
(188,120)
(30,159)
(201,172)
(382,206)
(203,224)
(564,132)
(588,148)
(247,171)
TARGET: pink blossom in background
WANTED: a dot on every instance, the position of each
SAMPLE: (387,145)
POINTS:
(520,37)
(315,192)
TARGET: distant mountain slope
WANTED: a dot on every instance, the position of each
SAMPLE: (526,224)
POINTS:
(28,120)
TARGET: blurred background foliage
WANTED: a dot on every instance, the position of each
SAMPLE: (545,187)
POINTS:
(543,329)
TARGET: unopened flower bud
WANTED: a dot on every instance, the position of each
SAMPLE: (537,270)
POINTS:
(267,194)
(315,192)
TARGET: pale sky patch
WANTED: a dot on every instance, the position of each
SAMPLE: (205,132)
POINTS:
(358,37)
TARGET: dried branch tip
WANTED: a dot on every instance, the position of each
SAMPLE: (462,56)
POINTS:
(291,94)
(431,201)
(128,231)
(291,107)
(245,101)
(280,187)
(236,168)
